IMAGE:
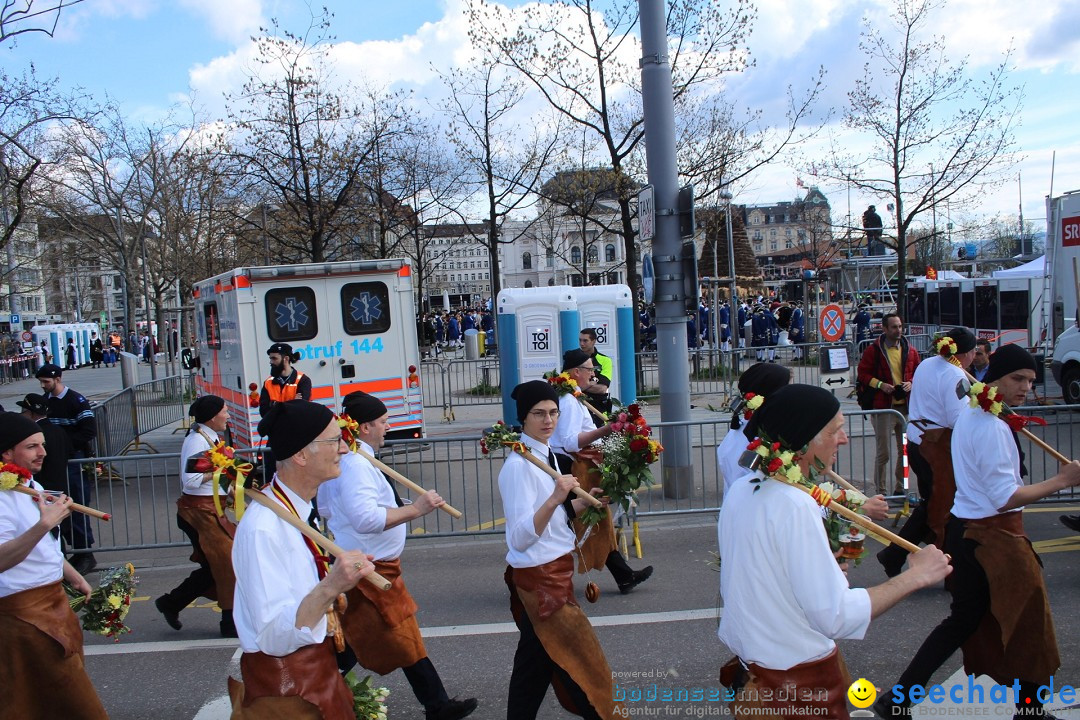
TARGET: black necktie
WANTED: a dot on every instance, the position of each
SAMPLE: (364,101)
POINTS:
(567,504)
(313,517)
(393,488)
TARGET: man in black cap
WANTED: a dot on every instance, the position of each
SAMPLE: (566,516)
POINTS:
(786,600)
(285,585)
(932,411)
(285,382)
(54,469)
(999,614)
(210,531)
(71,411)
(41,641)
(363,510)
(557,642)
(576,430)
(760,379)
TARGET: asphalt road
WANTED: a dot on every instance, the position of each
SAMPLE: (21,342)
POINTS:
(663,632)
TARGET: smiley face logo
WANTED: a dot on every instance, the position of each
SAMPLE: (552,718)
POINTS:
(862,693)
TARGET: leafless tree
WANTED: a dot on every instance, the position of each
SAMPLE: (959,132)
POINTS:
(18,17)
(937,134)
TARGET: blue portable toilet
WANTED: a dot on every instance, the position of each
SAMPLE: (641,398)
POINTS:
(609,309)
(535,327)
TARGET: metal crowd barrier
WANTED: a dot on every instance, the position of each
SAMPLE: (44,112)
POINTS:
(124,417)
(17,367)
(140,491)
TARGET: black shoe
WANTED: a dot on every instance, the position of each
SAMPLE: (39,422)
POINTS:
(1071,521)
(453,709)
(638,577)
(84,563)
(886,708)
(172,617)
(227,626)
(891,568)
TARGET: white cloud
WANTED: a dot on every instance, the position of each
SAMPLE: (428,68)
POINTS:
(231,20)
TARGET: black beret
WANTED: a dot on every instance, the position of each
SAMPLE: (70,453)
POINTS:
(793,416)
(284,349)
(1009,359)
(14,428)
(290,426)
(528,394)
(37,404)
(964,339)
(206,407)
(48,370)
(362,407)
(573,358)
(764,378)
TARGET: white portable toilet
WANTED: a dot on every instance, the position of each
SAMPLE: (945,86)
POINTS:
(609,309)
(535,327)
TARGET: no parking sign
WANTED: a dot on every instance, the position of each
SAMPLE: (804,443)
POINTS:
(831,323)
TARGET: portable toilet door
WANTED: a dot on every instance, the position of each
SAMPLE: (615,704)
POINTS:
(535,327)
(609,309)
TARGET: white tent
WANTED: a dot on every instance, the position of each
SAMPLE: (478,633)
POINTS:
(1035,268)
(942,275)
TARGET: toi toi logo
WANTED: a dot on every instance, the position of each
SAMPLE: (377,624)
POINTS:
(862,693)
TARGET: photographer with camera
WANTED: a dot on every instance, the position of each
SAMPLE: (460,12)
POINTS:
(884,381)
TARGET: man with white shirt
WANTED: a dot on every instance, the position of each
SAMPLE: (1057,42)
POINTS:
(363,510)
(556,642)
(211,534)
(285,585)
(760,379)
(1000,614)
(576,430)
(786,600)
(41,641)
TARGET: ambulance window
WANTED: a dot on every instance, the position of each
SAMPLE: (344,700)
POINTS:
(211,326)
(291,314)
(365,308)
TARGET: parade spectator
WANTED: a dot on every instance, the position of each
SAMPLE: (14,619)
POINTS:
(981,363)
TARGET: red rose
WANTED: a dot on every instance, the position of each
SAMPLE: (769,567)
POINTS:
(754,444)
(634,409)
(639,444)
(776,447)
(775,464)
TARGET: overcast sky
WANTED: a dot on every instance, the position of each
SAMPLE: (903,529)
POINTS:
(148,54)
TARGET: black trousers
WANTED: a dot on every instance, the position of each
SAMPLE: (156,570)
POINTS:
(532,674)
(426,684)
(198,583)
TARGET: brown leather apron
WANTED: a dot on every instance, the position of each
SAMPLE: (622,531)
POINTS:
(215,543)
(380,626)
(303,684)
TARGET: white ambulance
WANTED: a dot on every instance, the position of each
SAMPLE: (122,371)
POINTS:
(353,324)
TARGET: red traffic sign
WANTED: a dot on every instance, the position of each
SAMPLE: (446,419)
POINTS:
(831,323)
(26,336)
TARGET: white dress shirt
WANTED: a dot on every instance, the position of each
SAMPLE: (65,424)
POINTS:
(354,505)
(986,465)
(933,396)
(524,488)
(275,571)
(574,419)
(195,444)
(785,597)
(728,452)
(44,564)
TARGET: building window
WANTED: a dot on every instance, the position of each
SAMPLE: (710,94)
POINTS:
(575,255)
(609,252)
(550,256)
(772,245)
(528,283)
(758,246)
(613,278)
(594,254)
(526,262)
(788,244)
(788,232)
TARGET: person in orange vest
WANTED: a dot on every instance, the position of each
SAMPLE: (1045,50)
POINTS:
(285,382)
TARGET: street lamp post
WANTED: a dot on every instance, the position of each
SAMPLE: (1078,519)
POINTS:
(732,316)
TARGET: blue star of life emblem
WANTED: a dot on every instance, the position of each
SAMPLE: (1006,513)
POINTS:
(292,314)
(365,308)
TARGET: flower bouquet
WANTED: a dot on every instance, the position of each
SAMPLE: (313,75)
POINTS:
(349,429)
(369,703)
(628,452)
(104,612)
(221,460)
(842,534)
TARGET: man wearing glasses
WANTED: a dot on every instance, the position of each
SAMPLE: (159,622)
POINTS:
(576,430)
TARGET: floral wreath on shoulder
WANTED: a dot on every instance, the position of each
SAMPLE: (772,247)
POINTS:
(946,347)
(12,475)
(982,395)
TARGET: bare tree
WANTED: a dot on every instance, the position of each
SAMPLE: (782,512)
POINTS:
(936,133)
(18,17)
(579,55)
(303,148)
(504,160)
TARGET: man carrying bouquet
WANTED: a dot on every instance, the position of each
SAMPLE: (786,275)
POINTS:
(41,641)
(197,517)
(364,512)
(575,431)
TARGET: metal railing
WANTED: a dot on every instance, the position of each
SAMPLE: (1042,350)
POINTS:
(122,418)
(17,367)
(139,491)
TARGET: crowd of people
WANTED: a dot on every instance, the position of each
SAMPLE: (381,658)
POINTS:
(304,619)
